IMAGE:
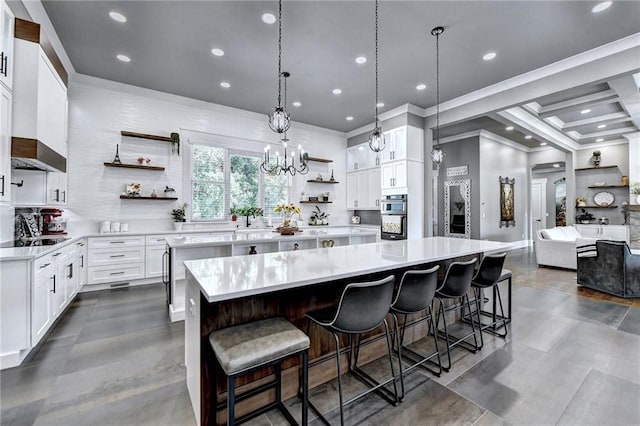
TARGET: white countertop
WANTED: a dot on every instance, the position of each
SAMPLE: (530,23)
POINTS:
(264,236)
(239,276)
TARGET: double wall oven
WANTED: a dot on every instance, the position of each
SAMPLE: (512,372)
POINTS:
(393,214)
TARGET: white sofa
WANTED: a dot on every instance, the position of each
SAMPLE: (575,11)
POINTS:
(557,246)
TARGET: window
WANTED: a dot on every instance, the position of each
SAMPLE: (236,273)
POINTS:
(223,177)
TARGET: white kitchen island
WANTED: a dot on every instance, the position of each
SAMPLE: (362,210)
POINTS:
(226,291)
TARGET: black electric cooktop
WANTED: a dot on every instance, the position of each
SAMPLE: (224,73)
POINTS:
(34,242)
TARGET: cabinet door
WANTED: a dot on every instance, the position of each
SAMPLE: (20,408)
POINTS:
(59,283)
(5,146)
(400,174)
(352,191)
(56,188)
(615,233)
(399,144)
(373,158)
(33,191)
(153,261)
(81,263)
(6,45)
(41,305)
(386,173)
(589,231)
(373,179)
(363,190)
(387,154)
(51,107)
(363,156)
(352,159)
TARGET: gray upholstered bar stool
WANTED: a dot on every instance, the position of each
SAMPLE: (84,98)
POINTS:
(489,275)
(243,348)
(415,294)
(456,285)
(363,307)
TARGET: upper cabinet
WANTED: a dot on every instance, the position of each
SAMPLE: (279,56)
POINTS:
(5,145)
(39,110)
(6,45)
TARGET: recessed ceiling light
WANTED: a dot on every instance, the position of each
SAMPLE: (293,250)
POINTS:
(349,118)
(296,104)
(601,126)
(380,104)
(585,111)
(123,58)
(601,6)
(337,91)
(508,128)
(421,86)
(600,140)
(489,56)
(361,60)
(543,144)
(528,137)
(217,52)
(117,16)
(268,18)
(556,165)
(225,84)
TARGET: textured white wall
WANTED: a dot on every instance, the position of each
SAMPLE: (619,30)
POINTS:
(100,109)
(497,159)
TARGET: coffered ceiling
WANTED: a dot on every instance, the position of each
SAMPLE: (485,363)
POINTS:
(170,42)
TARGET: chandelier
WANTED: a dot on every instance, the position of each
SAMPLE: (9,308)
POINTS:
(376,138)
(279,118)
(275,164)
(437,154)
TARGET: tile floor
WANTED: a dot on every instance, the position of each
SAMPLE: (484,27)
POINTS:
(572,357)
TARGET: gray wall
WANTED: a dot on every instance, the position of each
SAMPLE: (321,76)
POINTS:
(391,123)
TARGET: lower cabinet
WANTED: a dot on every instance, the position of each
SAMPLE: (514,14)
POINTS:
(612,232)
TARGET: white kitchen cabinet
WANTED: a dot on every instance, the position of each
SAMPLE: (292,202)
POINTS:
(81,262)
(373,179)
(39,188)
(60,259)
(42,313)
(154,261)
(56,188)
(15,299)
(358,157)
(363,190)
(7,23)
(70,265)
(40,110)
(352,191)
(5,144)
(394,176)
(115,259)
(612,232)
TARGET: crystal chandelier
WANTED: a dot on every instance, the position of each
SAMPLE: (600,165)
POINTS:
(276,164)
(437,154)
(376,138)
(279,118)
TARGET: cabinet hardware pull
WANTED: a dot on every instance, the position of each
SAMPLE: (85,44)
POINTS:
(117,255)
(116,273)
(64,196)
(117,242)
(45,265)
(82,261)
(57,254)
(57,192)
(3,64)
(2,191)
(70,266)
(54,284)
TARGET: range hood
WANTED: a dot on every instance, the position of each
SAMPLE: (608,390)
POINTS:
(33,154)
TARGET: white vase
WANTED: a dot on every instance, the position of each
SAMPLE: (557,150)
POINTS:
(178,226)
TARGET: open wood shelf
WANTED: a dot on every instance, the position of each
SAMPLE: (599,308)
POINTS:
(595,168)
(128,197)
(607,186)
(319,160)
(596,207)
(322,181)
(316,202)
(133,166)
(146,136)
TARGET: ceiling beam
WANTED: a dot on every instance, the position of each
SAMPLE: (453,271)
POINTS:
(542,130)
(629,93)
(613,132)
(587,101)
(616,117)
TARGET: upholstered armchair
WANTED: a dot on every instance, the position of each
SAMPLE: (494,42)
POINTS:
(610,268)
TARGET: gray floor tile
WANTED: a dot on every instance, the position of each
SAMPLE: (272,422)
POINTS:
(20,415)
(595,311)
(490,419)
(631,322)
(604,399)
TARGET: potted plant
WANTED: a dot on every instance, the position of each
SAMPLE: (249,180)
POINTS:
(234,213)
(318,217)
(635,190)
(179,216)
(585,217)
(596,157)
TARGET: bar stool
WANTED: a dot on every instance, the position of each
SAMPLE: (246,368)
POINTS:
(247,347)
(457,282)
(363,307)
(489,275)
(415,294)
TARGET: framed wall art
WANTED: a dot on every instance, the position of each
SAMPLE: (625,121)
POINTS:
(507,217)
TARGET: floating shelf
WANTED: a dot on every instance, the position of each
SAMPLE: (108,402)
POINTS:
(316,202)
(146,136)
(133,166)
(322,181)
(595,168)
(607,186)
(596,207)
(128,197)
(319,160)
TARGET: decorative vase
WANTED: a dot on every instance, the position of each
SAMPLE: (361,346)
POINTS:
(596,161)
(178,226)
(252,250)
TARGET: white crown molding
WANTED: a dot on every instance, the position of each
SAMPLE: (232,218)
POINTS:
(86,80)
(630,42)
(402,109)
(504,141)
(460,136)
(612,142)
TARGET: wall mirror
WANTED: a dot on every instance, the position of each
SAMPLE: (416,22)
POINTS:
(457,208)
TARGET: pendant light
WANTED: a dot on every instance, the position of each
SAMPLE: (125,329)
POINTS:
(279,118)
(376,138)
(437,154)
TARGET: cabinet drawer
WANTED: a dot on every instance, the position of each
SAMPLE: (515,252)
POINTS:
(158,240)
(114,242)
(100,257)
(42,263)
(109,274)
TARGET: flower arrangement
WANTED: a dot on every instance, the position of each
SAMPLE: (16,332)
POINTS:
(133,189)
(178,214)
(287,210)
(581,201)
(143,159)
